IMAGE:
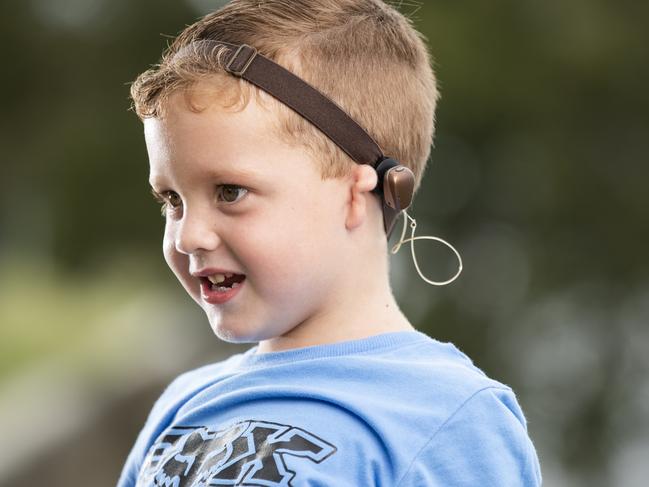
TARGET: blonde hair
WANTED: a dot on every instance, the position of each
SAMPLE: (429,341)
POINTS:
(363,54)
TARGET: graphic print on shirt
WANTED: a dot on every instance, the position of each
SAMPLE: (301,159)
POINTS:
(248,453)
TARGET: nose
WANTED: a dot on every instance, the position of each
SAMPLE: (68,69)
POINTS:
(195,232)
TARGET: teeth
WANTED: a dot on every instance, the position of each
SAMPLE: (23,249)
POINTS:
(218,278)
(224,289)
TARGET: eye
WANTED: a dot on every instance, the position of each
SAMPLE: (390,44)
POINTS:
(168,200)
(173,199)
(229,192)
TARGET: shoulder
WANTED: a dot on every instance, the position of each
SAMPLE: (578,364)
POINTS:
(432,373)
(483,442)
(164,410)
(182,388)
(190,382)
(463,428)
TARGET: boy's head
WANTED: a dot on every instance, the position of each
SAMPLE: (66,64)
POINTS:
(251,187)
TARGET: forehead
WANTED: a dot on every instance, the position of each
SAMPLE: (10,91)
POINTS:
(221,142)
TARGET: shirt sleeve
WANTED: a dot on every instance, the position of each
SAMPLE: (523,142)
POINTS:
(484,443)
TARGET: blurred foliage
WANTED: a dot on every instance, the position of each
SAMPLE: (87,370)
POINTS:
(46,314)
(538,177)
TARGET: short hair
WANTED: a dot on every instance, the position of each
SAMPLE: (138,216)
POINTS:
(363,54)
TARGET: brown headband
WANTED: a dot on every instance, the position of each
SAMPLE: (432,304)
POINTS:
(245,62)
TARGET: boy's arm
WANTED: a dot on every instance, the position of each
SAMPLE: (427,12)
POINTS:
(485,443)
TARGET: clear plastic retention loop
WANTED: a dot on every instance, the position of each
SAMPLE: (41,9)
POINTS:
(413,225)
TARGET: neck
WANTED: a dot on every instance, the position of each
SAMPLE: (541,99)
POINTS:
(363,308)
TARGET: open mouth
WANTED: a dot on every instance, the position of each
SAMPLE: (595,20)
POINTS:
(222,282)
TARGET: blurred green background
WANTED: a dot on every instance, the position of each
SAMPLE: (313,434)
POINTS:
(538,177)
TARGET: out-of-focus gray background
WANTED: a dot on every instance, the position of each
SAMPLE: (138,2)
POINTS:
(538,177)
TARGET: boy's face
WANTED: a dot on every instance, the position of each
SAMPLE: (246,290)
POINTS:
(285,230)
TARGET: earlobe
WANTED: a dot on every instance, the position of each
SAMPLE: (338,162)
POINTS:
(365,180)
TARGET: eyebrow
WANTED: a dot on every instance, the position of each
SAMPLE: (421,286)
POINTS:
(234,173)
(229,173)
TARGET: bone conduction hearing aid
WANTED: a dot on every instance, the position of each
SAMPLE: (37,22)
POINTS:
(395,181)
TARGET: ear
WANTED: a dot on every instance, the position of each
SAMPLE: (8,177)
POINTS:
(364,180)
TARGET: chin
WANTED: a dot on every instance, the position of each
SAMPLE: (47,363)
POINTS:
(232,334)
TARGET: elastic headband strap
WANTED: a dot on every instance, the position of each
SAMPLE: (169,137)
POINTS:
(244,61)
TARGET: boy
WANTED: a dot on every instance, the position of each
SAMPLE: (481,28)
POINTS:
(275,229)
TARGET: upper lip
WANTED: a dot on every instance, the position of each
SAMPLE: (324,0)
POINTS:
(210,271)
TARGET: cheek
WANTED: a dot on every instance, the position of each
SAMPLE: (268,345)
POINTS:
(168,247)
(290,257)
(176,261)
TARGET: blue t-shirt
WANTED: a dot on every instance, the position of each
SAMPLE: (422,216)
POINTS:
(396,409)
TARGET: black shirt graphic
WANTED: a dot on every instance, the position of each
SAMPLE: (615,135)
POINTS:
(248,453)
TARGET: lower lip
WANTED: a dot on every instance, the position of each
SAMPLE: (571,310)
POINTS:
(218,297)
